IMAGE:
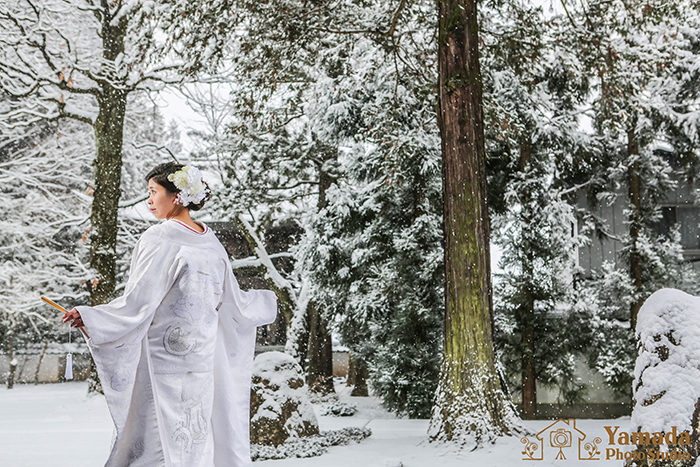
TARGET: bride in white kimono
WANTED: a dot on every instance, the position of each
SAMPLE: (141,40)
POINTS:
(175,352)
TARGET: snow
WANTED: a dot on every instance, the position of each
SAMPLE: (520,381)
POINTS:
(270,269)
(668,365)
(58,425)
(279,374)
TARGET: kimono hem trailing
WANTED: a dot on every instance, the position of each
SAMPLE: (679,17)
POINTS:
(175,353)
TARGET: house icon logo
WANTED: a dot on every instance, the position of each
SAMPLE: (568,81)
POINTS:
(563,439)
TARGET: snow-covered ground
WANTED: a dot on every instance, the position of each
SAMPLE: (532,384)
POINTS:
(58,425)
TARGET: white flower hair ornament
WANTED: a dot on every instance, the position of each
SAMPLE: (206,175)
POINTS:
(189,181)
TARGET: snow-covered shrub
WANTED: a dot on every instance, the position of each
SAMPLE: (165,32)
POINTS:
(279,404)
(330,404)
(311,446)
(667,374)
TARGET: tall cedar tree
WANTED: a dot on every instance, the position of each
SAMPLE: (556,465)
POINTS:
(527,75)
(470,404)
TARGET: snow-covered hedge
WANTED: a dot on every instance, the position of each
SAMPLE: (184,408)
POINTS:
(310,446)
(331,405)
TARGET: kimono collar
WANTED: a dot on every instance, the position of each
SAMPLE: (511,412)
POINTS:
(203,232)
(180,233)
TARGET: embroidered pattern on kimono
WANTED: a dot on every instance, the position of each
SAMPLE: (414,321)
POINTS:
(175,352)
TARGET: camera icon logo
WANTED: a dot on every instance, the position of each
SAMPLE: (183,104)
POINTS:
(560,438)
(563,435)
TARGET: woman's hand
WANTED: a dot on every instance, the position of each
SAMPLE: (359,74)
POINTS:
(74,317)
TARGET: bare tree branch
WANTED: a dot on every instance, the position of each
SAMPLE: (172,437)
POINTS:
(159,148)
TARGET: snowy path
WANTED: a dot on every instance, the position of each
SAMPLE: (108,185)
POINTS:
(59,426)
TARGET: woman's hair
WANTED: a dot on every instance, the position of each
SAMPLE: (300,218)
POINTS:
(160,173)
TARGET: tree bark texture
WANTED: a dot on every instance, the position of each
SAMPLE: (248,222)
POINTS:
(360,374)
(470,405)
(319,370)
(635,199)
(109,140)
(526,310)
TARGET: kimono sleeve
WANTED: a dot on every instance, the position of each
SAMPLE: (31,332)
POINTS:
(239,314)
(247,308)
(154,269)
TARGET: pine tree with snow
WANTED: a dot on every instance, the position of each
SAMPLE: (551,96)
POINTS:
(533,91)
(330,121)
(630,47)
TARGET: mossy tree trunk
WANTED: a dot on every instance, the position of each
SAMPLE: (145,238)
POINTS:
(470,405)
(109,140)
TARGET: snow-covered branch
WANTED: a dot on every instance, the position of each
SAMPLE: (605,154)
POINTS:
(254,261)
(279,284)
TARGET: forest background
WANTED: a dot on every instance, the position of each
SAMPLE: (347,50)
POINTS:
(322,115)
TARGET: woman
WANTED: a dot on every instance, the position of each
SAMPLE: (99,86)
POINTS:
(174,353)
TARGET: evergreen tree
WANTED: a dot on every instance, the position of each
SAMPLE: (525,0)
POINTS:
(470,405)
(628,46)
(532,96)
(335,118)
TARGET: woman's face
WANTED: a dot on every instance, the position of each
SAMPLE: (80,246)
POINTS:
(160,202)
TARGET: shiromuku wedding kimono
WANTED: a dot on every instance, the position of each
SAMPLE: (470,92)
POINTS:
(175,353)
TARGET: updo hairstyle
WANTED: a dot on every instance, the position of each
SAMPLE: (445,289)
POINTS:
(160,173)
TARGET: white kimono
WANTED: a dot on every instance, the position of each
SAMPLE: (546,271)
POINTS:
(175,353)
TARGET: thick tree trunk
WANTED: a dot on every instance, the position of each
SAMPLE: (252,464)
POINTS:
(359,377)
(470,405)
(526,310)
(635,221)
(319,370)
(109,139)
(109,128)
